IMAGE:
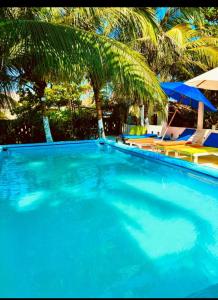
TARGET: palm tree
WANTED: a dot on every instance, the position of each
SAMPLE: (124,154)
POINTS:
(196,50)
(183,49)
(123,24)
(40,51)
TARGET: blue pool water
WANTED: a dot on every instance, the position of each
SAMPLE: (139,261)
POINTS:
(87,220)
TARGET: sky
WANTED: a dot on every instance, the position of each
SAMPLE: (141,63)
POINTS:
(160,12)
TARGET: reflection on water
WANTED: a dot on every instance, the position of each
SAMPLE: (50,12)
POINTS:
(153,234)
(83,216)
(30,200)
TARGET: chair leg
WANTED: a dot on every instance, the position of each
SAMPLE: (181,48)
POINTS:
(196,159)
(153,148)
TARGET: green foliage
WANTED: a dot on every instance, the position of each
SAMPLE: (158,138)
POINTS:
(125,23)
(28,105)
(182,53)
(66,124)
(61,45)
(210,14)
(138,130)
(56,97)
(3,116)
(28,126)
(65,94)
(53,52)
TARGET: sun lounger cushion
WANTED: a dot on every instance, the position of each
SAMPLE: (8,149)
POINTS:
(192,150)
(186,134)
(171,143)
(212,140)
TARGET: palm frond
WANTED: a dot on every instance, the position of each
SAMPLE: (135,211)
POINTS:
(202,41)
(207,54)
(122,22)
(60,52)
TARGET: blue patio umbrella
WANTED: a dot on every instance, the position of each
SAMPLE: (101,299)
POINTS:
(187,95)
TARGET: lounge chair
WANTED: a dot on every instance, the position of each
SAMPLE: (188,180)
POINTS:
(126,137)
(139,141)
(181,140)
(209,147)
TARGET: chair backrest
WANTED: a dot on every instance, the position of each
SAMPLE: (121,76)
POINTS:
(198,136)
(186,134)
(212,140)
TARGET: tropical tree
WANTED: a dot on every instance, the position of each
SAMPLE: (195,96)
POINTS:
(183,50)
(179,15)
(194,51)
(123,24)
(65,94)
(39,52)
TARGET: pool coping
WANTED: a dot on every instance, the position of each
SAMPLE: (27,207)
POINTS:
(155,156)
(27,145)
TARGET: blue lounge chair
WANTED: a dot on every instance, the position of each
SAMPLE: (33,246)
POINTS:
(186,134)
(212,140)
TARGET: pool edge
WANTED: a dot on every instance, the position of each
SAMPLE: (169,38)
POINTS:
(47,144)
(165,159)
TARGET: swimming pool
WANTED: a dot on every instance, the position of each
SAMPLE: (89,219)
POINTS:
(87,220)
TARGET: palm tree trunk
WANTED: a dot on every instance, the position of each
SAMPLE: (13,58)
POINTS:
(40,89)
(142,115)
(47,129)
(96,91)
(71,114)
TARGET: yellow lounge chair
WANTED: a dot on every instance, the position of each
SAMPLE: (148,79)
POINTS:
(153,142)
(192,151)
(139,142)
(210,147)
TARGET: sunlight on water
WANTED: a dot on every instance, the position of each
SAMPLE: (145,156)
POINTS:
(30,201)
(201,205)
(35,164)
(153,234)
(89,221)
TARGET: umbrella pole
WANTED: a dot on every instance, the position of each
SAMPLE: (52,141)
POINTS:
(200,122)
(169,124)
